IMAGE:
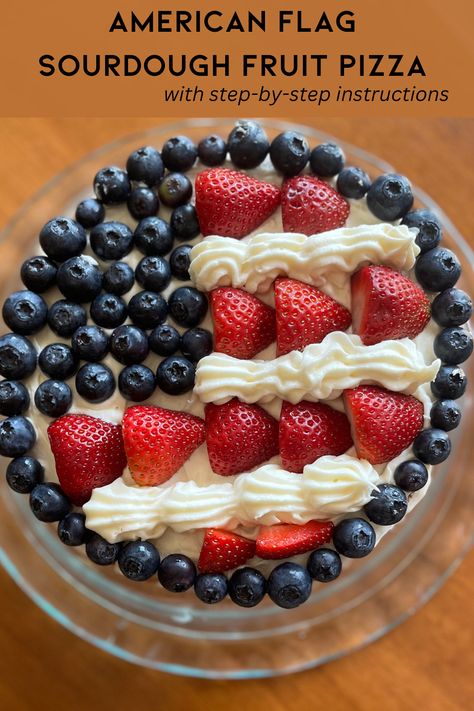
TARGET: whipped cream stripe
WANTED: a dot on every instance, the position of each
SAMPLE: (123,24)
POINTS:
(326,258)
(269,495)
(320,372)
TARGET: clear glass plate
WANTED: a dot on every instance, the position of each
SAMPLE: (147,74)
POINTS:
(176,633)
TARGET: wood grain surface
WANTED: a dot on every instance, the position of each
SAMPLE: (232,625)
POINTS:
(427,662)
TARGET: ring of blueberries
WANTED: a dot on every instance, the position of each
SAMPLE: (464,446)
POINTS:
(152,178)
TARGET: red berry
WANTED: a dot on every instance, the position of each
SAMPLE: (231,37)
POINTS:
(158,442)
(224,550)
(285,540)
(233,204)
(309,205)
(88,453)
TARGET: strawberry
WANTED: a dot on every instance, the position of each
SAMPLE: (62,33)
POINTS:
(239,436)
(305,315)
(309,205)
(158,442)
(385,304)
(88,453)
(384,423)
(310,430)
(233,204)
(224,550)
(243,325)
(286,539)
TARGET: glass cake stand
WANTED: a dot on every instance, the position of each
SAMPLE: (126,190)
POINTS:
(176,633)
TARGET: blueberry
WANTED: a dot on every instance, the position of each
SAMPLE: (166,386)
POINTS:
(175,189)
(108,310)
(353,182)
(49,503)
(147,309)
(164,340)
(111,240)
(177,573)
(437,269)
(17,356)
(95,382)
(79,279)
(248,144)
(179,153)
(53,398)
(212,150)
(390,197)
(62,238)
(23,474)
(14,398)
(354,537)
(247,587)
(187,306)
(112,185)
(145,166)
(180,259)
(289,585)
(445,415)
(210,587)
(411,475)
(142,202)
(387,506)
(429,228)
(38,273)
(25,312)
(129,345)
(119,278)
(17,436)
(452,307)
(324,565)
(90,212)
(196,343)
(138,560)
(453,345)
(153,236)
(175,375)
(153,273)
(58,361)
(450,383)
(100,551)
(326,160)
(90,343)
(136,383)
(289,153)
(72,529)
(65,317)
(184,222)
(432,446)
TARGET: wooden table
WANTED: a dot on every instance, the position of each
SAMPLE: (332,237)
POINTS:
(424,663)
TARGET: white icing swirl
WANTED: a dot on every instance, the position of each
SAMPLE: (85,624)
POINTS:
(269,495)
(328,257)
(320,372)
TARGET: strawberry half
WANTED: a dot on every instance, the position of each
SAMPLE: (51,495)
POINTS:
(386,304)
(239,437)
(158,442)
(224,550)
(305,315)
(88,453)
(309,205)
(384,423)
(243,325)
(310,430)
(286,539)
(233,204)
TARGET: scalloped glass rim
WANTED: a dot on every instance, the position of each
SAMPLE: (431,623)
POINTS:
(122,606)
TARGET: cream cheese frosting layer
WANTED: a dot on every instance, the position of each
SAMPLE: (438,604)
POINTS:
(269,495)
(320,372)
(328,257)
